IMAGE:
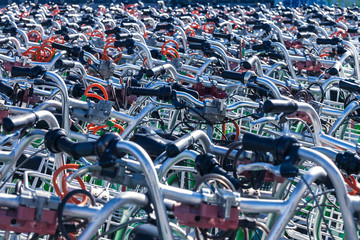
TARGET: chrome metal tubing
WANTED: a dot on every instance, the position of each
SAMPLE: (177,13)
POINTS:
(101,215)
(152,182)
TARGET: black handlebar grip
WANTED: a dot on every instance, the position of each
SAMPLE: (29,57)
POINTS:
(258,47)
(11,30)
(29,25)
(89,48)
(163,93)
(17,122)
(309,28)
(139,91)
(264,46)
(167,26)
(196,39)
(4,41)
(223,35)
(352,30)
(249,62)
(265,27)
(47,23)
(27,72)
(126,43)
(287,21)
(56,141)
(7,90)
(112,31)
(61,47)
(352,17)
(349,86)
(64,64)
(303,35)
(276,56)
(334,70)
(328,41)
(175,148)
(257,143)
(76,90)
(287,15)
(123,36)
(233,75)
(199,46)
(279,106)
(26,20)
(253,22)
(329,23)
(71,37)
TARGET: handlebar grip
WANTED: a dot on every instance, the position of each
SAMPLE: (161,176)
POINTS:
(61,47)
(29,25)
(329,23)
(4,41)
(264,46)
(123,36)
(257,143)
(334,70)
(309,28)
(17,122)
(167,26)
(56,141)
(249,62)
(352,17)
(7,90)
(89,49)
(222,35)
(71,37)
(279,106)
(196,46)
(303,35)
(349,86)
(11,30)
(64,64)
(139,91)
(112,31)
(76,90)
(46,23)
(233,75)
(253,22)
(332,41)
(265,27)
(166,19)
(276,56)
(175,148)
(196,39)
(126,43)
(163,93)
(88,22)
(353,30)
(287,21)
(288,15)
(26,20)
(27,72)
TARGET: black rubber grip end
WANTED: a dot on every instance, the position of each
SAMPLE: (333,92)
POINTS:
(15,123)
(279,106)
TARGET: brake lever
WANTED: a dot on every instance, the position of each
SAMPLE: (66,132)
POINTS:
(277,119)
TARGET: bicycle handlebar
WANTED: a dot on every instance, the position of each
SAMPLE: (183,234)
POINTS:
(279,106)
(27,72)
